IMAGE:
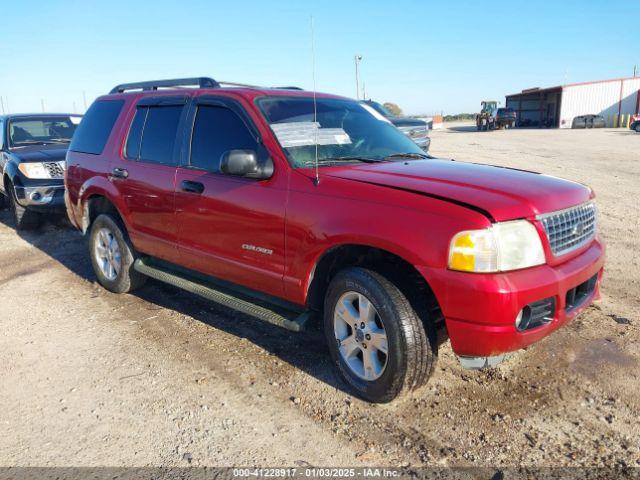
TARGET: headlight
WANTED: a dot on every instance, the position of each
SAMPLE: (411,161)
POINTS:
(34,170)
(502,247)
(38,170)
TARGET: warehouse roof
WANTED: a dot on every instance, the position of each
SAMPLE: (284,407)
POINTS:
(560,87)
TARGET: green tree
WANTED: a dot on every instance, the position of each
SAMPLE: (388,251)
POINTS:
(393,108)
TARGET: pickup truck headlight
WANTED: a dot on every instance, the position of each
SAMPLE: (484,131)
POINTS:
(38,170)
(502,247)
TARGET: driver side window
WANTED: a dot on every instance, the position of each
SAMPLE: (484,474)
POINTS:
(217,130)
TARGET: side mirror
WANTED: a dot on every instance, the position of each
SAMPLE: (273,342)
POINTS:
(244,163)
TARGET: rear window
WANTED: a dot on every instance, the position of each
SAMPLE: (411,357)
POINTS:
(94,130)
(505,110)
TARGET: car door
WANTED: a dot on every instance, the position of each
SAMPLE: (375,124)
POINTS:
(229,227)
(145,174)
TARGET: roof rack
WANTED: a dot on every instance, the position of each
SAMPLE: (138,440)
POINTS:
(201,82)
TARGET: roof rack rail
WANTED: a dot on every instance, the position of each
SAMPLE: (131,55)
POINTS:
(289,88)
(201,82)
(236,84)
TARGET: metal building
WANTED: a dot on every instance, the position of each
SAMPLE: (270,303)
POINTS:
(615,100)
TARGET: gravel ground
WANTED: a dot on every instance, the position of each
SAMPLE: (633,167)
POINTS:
(163,378)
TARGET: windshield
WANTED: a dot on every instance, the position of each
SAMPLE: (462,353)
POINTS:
(42,130)
(344,131)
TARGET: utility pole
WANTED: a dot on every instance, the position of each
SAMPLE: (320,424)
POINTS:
(357,59)
(2,104)
(635,70)
(42,103)
(84,99)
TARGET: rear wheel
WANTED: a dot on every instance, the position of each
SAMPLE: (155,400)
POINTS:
(638,127)
(23,218)
(376,339)
(112,255)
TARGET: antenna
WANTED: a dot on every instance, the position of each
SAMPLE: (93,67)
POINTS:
(315,106)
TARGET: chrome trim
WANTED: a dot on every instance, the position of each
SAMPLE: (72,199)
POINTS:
(45,192)
(565,229)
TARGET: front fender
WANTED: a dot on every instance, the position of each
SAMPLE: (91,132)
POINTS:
(316,225)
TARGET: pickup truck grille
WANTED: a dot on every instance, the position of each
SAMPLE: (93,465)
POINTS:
(415,132)
(55,169)
(571,228)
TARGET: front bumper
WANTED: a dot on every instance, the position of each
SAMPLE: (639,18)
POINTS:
(424,143)
(41,197)
(480,309)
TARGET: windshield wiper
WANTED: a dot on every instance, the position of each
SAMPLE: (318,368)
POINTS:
(33,142)
(417,156)
(60,140)
(357,158)
(338,160)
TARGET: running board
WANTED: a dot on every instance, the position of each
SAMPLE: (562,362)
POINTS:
(217,295)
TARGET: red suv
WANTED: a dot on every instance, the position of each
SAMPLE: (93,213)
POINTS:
(284,203)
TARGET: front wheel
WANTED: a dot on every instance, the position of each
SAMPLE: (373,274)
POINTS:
(112,256)
(376,339)
(638,128)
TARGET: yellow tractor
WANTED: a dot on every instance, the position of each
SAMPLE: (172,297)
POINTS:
(486,119)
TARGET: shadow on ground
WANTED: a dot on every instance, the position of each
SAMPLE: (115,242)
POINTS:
(306,351)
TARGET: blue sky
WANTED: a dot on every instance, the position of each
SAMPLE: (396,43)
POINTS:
(426,56)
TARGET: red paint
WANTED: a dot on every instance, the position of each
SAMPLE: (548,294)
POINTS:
(411,209)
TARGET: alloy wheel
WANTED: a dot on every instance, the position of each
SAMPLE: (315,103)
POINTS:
(360,335)
(107,254)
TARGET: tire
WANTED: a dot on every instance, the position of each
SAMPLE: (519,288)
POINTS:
(3,201)
(112,255)
(23,218)
(638,128)
(410,358)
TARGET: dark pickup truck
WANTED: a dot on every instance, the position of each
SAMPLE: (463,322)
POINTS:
(32,164)
(414,128)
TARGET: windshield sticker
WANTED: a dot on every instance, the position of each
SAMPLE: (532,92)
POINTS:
(303,134)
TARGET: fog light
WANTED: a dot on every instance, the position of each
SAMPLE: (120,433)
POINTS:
(35,196)
(518,319)
(523,318)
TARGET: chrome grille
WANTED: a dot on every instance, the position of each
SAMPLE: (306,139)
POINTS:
(55,169)
(571,228)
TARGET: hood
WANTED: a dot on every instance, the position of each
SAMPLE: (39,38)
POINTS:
(40,153)
(497,192)
(407,122)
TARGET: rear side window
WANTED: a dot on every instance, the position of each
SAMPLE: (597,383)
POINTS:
(217,130)
(94,129)
(153,133)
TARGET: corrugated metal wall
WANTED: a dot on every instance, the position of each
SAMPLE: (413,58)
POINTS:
(608,99)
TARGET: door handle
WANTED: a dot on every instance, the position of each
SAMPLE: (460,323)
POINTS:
(119,173)
(192,187)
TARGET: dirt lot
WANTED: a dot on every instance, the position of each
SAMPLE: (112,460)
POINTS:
(162,378)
